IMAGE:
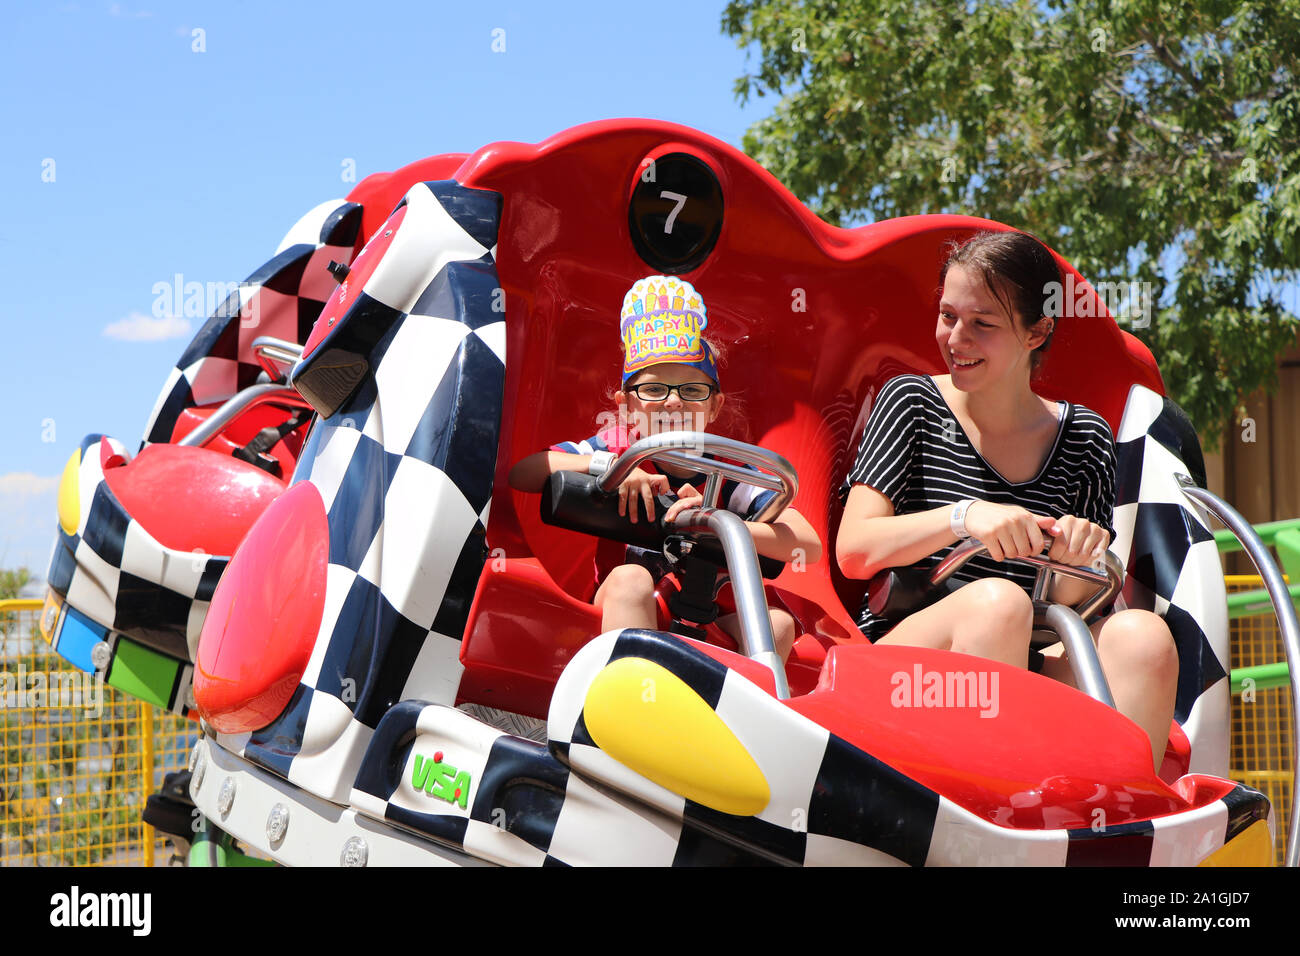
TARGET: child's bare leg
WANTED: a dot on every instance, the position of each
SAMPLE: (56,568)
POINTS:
(626,598)
(990,618)
(783,629)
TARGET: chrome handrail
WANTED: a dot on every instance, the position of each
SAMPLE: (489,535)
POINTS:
(268,349)
(756,640)
(1287,624)
(235,406)
(666,447)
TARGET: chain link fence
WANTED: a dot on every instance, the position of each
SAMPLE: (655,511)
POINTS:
(80,758)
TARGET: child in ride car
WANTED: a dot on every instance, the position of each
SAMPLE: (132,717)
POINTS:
(670,383)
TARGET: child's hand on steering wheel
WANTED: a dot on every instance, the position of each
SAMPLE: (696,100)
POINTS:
(643,486)
(687,497)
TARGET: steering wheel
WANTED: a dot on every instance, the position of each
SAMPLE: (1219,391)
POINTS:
(1108,582)
(688,449)
(695,562)
(1068,623)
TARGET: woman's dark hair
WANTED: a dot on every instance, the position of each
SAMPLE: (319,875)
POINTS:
(1019,271)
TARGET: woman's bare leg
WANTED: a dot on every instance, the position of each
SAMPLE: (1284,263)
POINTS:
(990,618)
(1138,656)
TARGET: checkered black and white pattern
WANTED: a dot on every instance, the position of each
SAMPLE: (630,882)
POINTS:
(282,299)
(116,573)
(1172,564)
(111,569)
(831,803)
(809,767)
(525,807)
(405,468)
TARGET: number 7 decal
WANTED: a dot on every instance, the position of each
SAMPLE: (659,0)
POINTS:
(680,200)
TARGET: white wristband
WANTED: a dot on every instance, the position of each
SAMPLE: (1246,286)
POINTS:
(957,518)
(600,462)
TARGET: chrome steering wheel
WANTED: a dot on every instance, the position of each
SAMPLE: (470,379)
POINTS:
(687,450)
(1108,582)
(1068,623)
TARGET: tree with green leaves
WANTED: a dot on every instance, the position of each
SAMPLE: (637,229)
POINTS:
(1148,141)
(12,582)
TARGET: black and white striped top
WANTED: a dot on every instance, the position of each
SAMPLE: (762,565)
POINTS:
(916,454)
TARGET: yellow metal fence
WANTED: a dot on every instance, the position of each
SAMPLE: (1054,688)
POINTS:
(1262,747)
(80,758)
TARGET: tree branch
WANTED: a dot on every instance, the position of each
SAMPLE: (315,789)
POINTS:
(1166,56)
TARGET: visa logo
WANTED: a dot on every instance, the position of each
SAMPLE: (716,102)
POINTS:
(441,780)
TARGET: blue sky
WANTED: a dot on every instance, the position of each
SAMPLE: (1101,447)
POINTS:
(129,157)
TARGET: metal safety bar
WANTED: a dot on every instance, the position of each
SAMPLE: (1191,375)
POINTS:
(1288,626)
(756,640)
(667,448)
(1080,649)
(269,350)
(266,393)
(1068,624)
(738,549)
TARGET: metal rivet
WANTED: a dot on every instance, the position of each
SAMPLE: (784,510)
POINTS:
(200,766)
(354,853)
(277,822)
(226,798)
(100,655)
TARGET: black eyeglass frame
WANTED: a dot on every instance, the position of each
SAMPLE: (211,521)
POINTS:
(636,390)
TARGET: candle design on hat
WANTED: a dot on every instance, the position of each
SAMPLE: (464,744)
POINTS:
(663,320)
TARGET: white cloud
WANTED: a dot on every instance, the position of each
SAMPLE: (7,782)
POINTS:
(25,483)
(138,327)
(28,515)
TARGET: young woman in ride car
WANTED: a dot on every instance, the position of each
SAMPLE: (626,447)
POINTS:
(976,453)
(670,383)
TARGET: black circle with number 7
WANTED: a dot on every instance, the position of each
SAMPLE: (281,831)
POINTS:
(675,215)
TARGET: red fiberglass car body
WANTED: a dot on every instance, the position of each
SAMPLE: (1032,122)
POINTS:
(398,609)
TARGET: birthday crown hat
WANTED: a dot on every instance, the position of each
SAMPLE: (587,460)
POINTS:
(663,320)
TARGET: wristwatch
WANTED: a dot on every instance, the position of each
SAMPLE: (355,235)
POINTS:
(600,462)
(957,518)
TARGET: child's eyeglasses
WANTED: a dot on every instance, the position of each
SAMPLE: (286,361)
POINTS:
(659,391)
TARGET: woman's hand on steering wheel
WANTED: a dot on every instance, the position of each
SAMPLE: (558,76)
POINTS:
(1079,542)
(1009,531)
(643,486)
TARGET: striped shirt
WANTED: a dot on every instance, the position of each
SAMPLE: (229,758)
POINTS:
(916,454)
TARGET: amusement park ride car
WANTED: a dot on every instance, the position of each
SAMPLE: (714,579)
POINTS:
(375,626)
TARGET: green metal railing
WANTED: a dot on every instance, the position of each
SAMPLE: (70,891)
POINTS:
(1284,538)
